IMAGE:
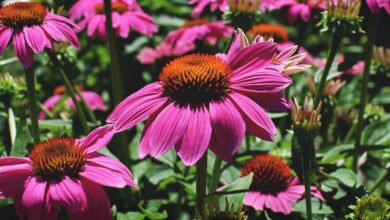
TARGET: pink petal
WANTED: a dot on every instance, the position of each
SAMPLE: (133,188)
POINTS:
(196,138)
(168,128)
(33,198)
(98,204)
(14,171)
(257,121)
(137,107)
(49,104)
(5,36)
(23,52)
(35,36)
(228,129)
(102,175)
(115,166)
(70,194)
(278,204)
(253,57)
(97,139)
(144,146)
(373,5)
(260,81)
(271,101)
(293,193)
(68,32)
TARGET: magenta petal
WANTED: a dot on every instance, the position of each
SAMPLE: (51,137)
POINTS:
(97,201)
(168,128)
(257,121)
(102,175)
(228,129)
(137,107)
(5,36)
(196,139)
(35,38)
(266,81)
(22,51)
(68,32)
(373,5)
(33,198)
(278,204)
(253,57)
(144,146)
(250,198)
(97,139)
(115,166)
(69,194)
(293,193)
(270,101)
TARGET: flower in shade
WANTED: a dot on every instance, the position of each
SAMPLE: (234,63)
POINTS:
(376,5)
(126,15)
(200,5)
(356,69)
(92,99)
(199,29)
(228,212)
(32,28)
(206,101)
(370,208)
(301,10)
(274,31)
(306,117)
(331,88)
(273,185)
(382,55)
(149,55)
(66,173)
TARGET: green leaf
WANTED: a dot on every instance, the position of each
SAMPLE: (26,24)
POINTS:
(346,177)
(23,138)
(157,173)
(336,153)
(377,133)
(241,184)
(318,208)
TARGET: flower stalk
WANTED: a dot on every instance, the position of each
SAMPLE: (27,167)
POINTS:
(115,72)
(372,29)
(215,175)
(201,183)
(32,102)
(71,92)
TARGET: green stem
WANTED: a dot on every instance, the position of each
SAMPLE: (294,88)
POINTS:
(335,44)
(372,29)
(379,181)
(70,91)
(32,100)
(90,113)
(201,182)
(44,110)
(307,180)
(115,73)
(215,175)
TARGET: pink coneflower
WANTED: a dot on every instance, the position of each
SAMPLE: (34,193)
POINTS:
(206,101)
(92,99)
(200,5)
(32,29)
(149,55)
(66,173)
(298,9)
(356,69)
(376,5)
(200,29)
(273,186)
(126,14)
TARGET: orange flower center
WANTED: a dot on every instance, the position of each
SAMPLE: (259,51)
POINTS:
(60,90)
(271,174)
(279,33)
(196,79)
(21,14)
(57,157)
(196,22)
(119,7)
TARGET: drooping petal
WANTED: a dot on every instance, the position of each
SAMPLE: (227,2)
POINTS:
(278,204)
(102,175)
(5,36)
(257,121)
(144,146)
(22,51)
(197,137)
(33,198)
(137,107)
(270,101)
(115,166)
(98,204)
(35,38)
(168,128)
(97,139)
(228,129)
(13,174)
(69,194)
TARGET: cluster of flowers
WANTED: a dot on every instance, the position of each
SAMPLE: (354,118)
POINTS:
(215,99)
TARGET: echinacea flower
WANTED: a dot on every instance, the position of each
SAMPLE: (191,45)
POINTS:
(274,31)
(149,55)
(302,9)
(370,207)
(200,5)
(126,15)
(199,29)
(32,28)
(92,99)
(376,5)
(206,101)
(331,88)
(273,185)
(356,69)
(66,173)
